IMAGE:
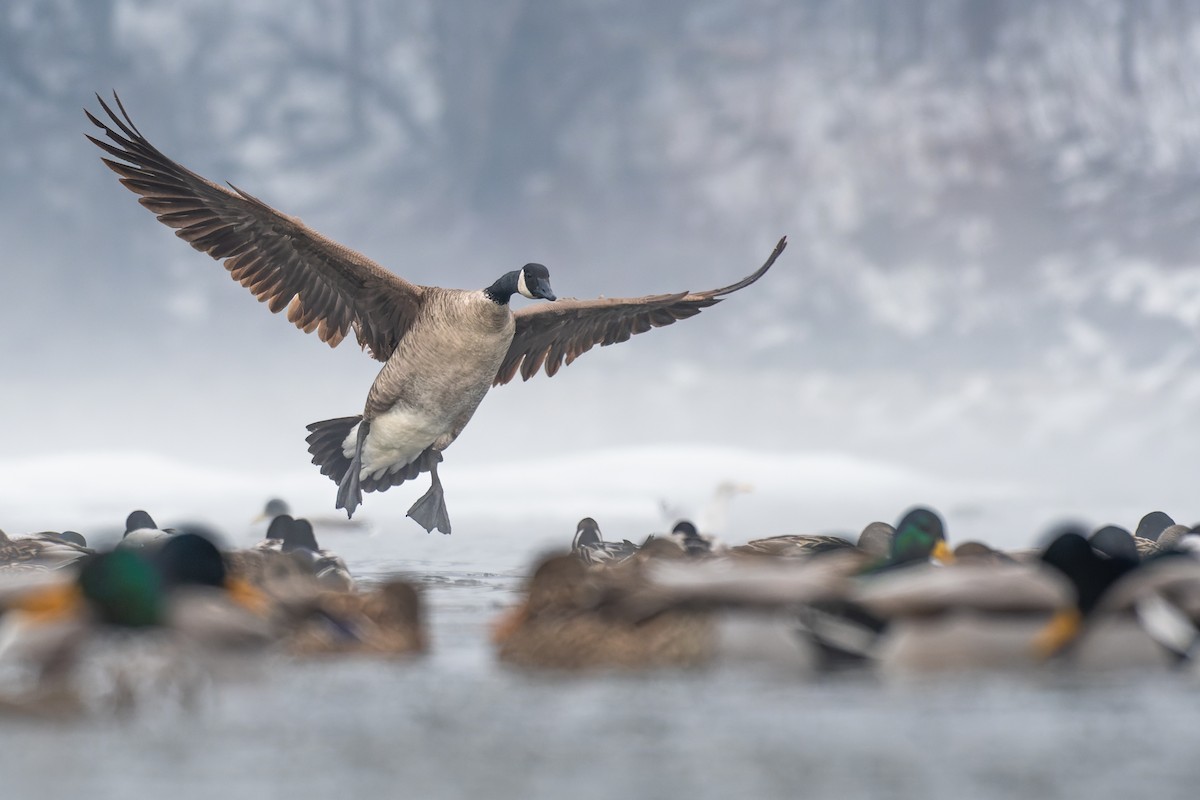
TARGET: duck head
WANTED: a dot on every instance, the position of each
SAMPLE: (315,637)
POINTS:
(920,535)
(1091,573)
(587,534)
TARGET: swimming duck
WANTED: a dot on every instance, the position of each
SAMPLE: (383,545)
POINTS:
(662,613)
(875,541)
(442,349)
(180,589)
(1152,525)
(71,537)
(841,629)
(560,626)
(45,550)
(276,506)
(387,619)
(1117,542)
(920,537)
(694,543)
(589,546)
(979,614)
(327,567)
(142,532)
(1126,613)
(793,545)
(1180,538)
(295,539)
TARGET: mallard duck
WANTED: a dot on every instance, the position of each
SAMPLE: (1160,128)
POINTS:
(559,626)
(1151,526)
(590,548)
(328,567)
(979,614)
(694,543)
(142,532)
(842,630)
(1117,542)
(795,545)
(1180,538)
(442,349)
(874,541)
(295,539)
(46,550)
(181,587)
(920,537)
(384,620)
(1126,613)
(276,506)
(70,537)
(980,553)
(663,613)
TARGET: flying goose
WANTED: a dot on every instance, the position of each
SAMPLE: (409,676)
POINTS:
(442,348)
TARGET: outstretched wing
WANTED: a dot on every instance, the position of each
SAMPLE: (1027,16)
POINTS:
(324,286)
(554,334)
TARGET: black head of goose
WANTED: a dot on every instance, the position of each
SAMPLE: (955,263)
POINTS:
(442,349)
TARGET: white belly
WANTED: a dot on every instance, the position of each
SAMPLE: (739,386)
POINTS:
(396,438)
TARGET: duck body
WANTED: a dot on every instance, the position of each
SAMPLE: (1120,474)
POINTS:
(37,552)
(798,545)
(590,548)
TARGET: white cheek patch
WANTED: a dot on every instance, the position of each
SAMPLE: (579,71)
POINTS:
(523,287)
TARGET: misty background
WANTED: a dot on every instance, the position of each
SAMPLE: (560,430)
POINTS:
(990,300)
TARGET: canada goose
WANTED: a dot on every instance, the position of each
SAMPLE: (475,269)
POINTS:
(442,348)
(590,548)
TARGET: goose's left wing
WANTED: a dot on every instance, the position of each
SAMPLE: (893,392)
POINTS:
(554,334)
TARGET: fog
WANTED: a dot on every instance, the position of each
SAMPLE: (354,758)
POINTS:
(992,282)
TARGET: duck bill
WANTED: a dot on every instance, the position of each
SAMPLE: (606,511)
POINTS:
(50,603)
(1062,629)
(248,596)
(942,552)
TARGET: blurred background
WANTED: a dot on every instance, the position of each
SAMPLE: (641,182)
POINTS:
(990,301)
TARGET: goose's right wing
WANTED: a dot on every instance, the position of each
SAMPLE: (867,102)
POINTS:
(324,286)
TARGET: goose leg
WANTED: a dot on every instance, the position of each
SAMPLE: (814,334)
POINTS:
(430,511)
(349,495)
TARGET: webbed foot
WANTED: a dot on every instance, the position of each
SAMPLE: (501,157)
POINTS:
(430,511)
(349,494)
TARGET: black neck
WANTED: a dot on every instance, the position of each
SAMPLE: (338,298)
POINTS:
(504,288)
